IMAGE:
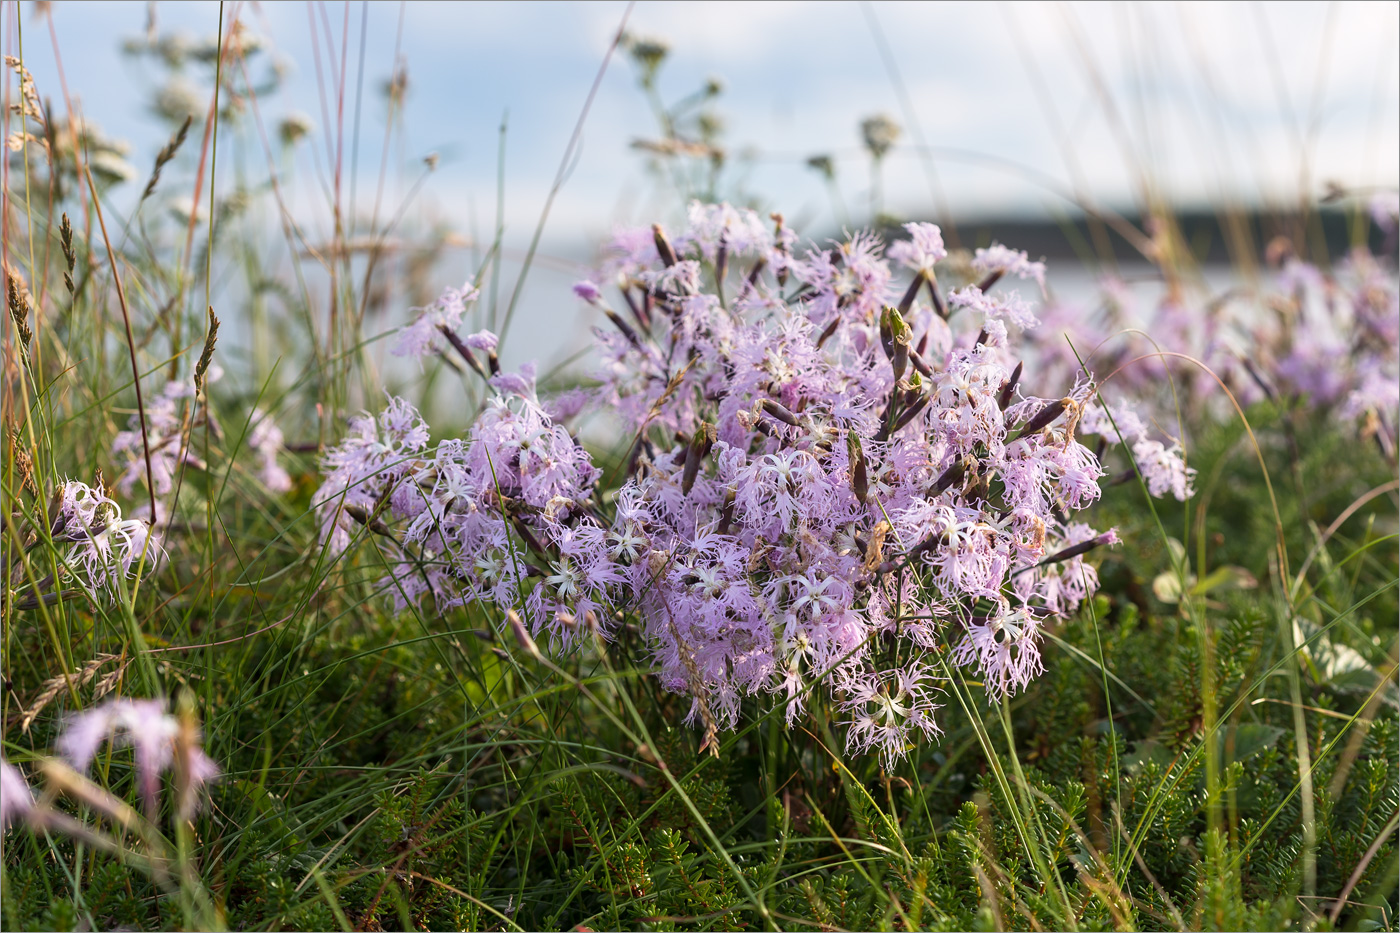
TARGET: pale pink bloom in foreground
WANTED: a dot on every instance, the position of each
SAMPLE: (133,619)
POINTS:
(151,732)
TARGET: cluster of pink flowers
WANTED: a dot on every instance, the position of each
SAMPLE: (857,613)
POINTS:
(1335,341)
(831,486)
(168,441)
(1327,340)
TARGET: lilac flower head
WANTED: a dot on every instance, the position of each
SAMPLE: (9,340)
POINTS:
(165,439)
(1008,307)
(105,546)
(482,340)
(366,467)
(1163,468)
(739,230)
(588,291)
(998,258)
(424,336)
(922,250)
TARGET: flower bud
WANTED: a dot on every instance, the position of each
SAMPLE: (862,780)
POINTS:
(699,448)
(779,412)
(1009,386)
(860,480)
(895,337)
(522,634)
(950,476)
(1045,416)
(663,246)
(1083,547)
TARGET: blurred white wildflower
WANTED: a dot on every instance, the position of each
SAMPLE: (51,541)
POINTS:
(295,126)
(184,210)
(111,167)
(879,133)
(179,99)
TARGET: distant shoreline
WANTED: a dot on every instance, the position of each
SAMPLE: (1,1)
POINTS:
(1203,230)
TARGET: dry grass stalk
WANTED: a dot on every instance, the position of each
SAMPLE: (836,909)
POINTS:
(211,338)
(79,678)
(699,690)
(65,240)
(166,153)
(21,458)
(19,310)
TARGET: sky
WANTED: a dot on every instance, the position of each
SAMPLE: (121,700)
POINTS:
(1020,107)
(1208,98)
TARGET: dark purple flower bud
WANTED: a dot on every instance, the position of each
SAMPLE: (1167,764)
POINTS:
(1009,387)
(362,516)
(950,476)
(726,514)
(757,270)
(465,351)
(990,280)
(620,324)
(638,312)
(1045,416)
(860,480)
(663,246)
(910,414)
(938,304)
(911,293)
(780,413)
(919,363)
(699,448)
(1083,547)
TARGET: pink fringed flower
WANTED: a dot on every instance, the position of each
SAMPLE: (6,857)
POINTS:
(152,733)
(426,334)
